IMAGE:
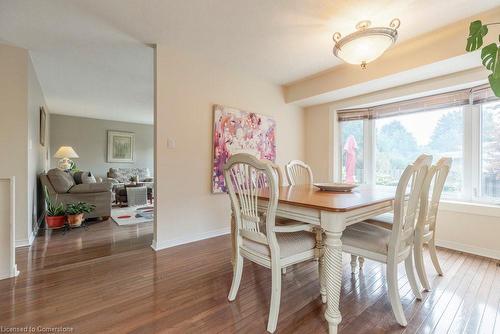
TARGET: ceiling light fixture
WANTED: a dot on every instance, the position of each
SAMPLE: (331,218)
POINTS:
(366,44)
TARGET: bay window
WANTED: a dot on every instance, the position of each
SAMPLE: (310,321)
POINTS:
(377,143)
(490,150)
(352,145)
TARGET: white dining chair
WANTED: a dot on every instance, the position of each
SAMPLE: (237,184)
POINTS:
(279,172)
(425,231)
(298,172)
(393,246)
(258,238)
(281,183)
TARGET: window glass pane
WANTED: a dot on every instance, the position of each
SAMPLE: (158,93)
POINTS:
(401,139)
(490,150)
(352,151)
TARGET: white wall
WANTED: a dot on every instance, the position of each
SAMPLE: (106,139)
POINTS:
(37,154)
(186,90)
(89,138)
(460,226)
(14,129)
(22,155)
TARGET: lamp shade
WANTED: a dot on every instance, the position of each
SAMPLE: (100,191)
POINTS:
(366,44)
(65,152)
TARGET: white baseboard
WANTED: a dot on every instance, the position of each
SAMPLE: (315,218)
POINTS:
(25,242)
(13,273)
(159,245)
(486,252)
(5,276)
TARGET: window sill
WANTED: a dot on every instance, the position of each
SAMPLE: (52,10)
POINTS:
(470,208)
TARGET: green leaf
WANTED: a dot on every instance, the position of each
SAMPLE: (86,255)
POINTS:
(489,55)
(494,84)
(476,33)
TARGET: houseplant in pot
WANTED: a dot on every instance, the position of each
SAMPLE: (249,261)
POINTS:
(75,212)
(55,213)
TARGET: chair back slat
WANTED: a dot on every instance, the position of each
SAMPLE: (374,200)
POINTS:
(245,177)
(298,172)
(279,173)
(406,203)
(429,205)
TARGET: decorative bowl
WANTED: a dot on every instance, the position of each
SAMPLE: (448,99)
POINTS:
(338,187)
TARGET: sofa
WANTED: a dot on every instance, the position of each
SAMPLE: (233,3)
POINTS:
(62,188)
(121,176)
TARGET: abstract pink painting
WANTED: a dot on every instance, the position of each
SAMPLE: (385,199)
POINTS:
(237,131)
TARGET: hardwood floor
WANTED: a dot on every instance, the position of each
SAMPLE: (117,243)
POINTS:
(107,279)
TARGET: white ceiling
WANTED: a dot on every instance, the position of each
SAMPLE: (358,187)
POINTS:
(91,58)
(85,66)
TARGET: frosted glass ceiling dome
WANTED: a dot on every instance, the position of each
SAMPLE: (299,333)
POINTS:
(366,44)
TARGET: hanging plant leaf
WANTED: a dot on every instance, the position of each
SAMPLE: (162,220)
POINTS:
(489,55)
(476,33)
(491,60)
(494,84)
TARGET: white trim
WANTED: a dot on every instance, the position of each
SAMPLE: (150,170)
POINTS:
(475,152)
(475,209)
(12,266)
(14,272)
(26,242)
(159,245)
(486,252)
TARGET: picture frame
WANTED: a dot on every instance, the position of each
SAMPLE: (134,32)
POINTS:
(239,131)
(121,146)
(43,125)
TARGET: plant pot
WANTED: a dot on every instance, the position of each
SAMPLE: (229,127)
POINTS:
(53,222)
(75,220)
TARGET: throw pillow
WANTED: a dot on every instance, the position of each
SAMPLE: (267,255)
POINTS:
(87,177)
(84,177)
(60,180)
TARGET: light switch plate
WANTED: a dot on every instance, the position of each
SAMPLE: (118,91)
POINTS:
(170,143)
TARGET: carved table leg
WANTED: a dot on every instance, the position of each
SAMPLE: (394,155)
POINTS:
(321,263)
(333,276)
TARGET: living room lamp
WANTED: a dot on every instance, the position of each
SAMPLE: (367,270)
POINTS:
(65,153)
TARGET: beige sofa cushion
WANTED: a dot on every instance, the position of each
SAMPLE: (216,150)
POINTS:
(60,180)
(289,243)
(90,188)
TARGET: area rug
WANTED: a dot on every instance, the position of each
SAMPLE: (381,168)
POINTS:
(133,215)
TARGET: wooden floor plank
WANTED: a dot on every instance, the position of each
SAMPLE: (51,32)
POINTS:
(107,279)
(490,311)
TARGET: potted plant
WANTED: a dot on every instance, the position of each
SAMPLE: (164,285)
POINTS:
(75,212)
(55,213)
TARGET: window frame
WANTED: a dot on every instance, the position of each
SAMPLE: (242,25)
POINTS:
(472,152)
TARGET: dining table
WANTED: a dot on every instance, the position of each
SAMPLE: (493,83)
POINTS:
(332,212)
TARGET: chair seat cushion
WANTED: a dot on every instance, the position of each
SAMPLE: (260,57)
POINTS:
(367,236)
(290,244)
(385,220)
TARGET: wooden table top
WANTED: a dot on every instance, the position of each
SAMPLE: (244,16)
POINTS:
(312,197)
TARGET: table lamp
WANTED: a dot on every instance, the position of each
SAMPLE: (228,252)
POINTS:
(65,153)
